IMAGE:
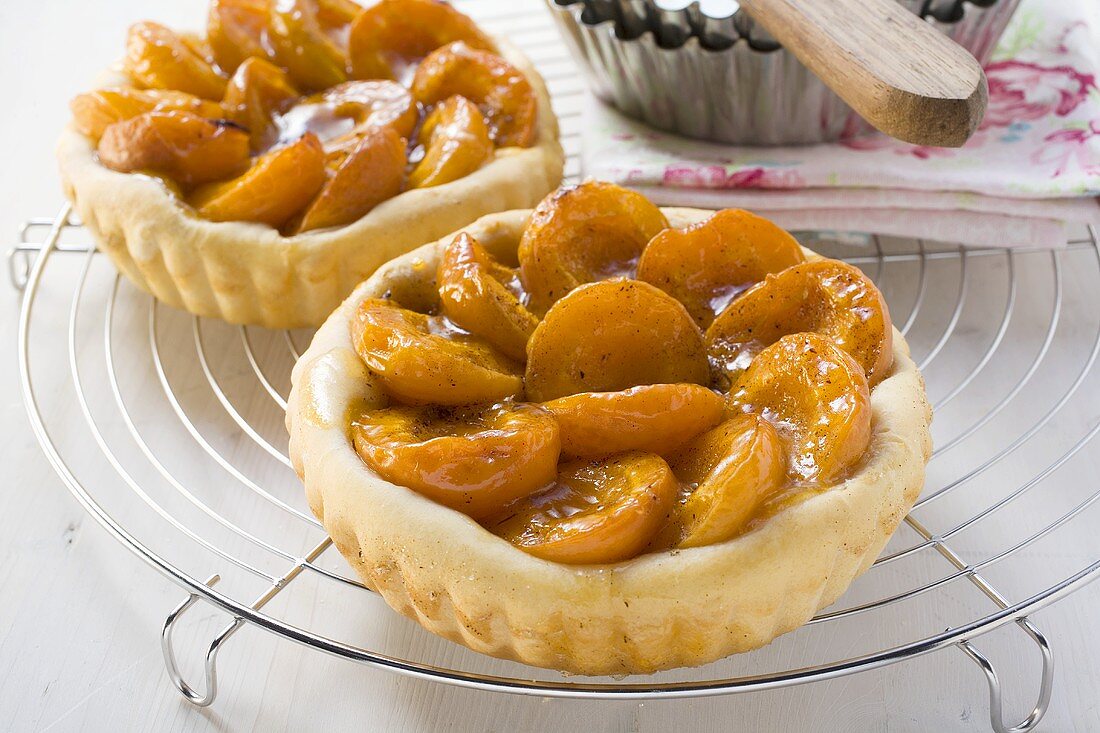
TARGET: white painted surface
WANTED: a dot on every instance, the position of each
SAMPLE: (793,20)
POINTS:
(80,615)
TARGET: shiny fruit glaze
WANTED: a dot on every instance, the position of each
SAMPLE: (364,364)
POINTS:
(279,72)
(654,450)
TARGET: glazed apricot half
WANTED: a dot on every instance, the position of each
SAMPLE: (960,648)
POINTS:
(258,91)
(337,13)
(612,335)
(500,90)
(474,460)
(419,360)
(158,58)
(95,111)
(235,30)
(705,265)
(302,47)
(825,296)
(279,184)
(817,397)
(371,173)
(656,418)
(456,143)
(733,468)
(482,296)
(340,114)
(188,148)
(392,33)
(581,234)
(596,512)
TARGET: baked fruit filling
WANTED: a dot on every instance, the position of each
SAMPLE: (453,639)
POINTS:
(306,114)
(624,387)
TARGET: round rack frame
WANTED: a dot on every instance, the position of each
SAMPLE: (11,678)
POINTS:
(146,383)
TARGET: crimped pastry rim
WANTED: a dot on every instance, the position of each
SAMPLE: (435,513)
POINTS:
(248,273)
(681,608)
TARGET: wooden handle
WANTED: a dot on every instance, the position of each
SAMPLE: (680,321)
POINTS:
(894,69)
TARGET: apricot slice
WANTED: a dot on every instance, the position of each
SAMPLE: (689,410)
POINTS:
(705,265)
(258,91)
(456,143)
(336,13)
(581,234)
(202,49)
(420,360)
(596,512)
(95,111)
(612,335)
(734,469)
(370,174)
(399,32)
(657,418)
(160,59)
(302,47)
(483,296)
(340,114)
(817,396)
(827,297)
(279,184)
(473,460)
(183,146)
(500,90)
(235,30)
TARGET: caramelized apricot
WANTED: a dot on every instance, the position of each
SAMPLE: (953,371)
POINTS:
(482,296)
(581,234)
(302,47)
(258,91)
(456,143)
(95,111)
(183,146)
(657,418)
(235,30)
(396,32)
(596,512)
(420,360)
(734,468)
(336,13)
(202,49)
(279,184)
(160,59)
(370,174)
(827,297)
(817,396)
(612,335)
(473,460)
(706,264)
(500,90)
(340,114)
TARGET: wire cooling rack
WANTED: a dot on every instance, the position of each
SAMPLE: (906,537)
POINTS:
(191,471)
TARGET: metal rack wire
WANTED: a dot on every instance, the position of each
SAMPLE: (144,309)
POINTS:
(191,471)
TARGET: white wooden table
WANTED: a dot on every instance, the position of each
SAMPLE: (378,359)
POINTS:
(80,616)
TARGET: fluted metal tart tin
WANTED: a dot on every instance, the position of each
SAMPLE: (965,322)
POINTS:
(706,71)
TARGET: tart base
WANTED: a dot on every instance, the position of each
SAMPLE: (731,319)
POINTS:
(248,273)
(659,611)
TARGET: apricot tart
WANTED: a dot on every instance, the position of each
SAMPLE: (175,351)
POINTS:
(607,438)
(259,172)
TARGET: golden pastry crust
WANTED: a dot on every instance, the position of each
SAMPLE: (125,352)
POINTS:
(658,611)
(248,273)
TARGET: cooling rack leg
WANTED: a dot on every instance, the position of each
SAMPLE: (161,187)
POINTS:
(19,268)
(200,699)
(204,699)
(1046,685)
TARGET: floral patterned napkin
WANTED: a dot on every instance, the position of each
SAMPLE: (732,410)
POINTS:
(1033,166)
